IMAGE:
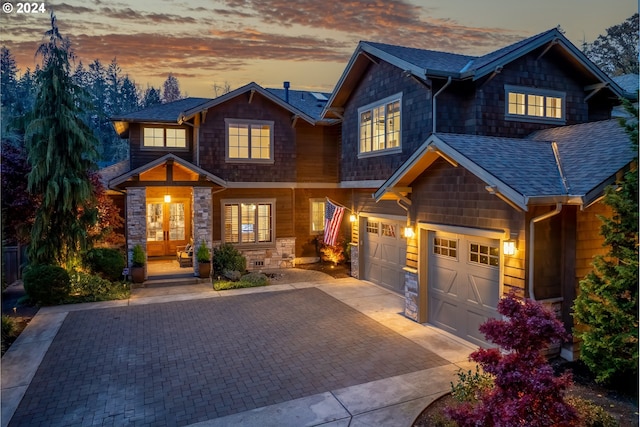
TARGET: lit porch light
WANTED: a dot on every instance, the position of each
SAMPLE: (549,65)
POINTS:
(167,198)
(509,247)
(353,217)
(408,232)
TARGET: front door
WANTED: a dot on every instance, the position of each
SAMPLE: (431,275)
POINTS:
(167,226)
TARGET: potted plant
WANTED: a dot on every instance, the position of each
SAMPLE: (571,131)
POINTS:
(137,264)
(203,255)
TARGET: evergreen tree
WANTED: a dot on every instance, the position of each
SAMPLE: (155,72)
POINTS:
(151,97)
(616,53)
(171,89)
(606,309)
(8,73)
(61,155)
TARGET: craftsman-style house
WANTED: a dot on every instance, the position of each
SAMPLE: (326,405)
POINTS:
(252,167)
(470,176)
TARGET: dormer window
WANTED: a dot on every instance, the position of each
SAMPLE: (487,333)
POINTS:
(158,137)
(379,126)
(532,104)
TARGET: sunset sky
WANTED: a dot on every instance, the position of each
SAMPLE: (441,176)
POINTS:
(306,42)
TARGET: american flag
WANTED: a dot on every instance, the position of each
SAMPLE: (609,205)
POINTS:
(332,220)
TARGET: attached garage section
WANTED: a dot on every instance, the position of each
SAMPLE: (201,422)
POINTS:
(463,283)
(384,252)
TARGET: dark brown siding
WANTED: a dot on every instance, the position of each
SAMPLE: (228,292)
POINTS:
(141,156)
(380,81)
(213,141)
(317,152)
(453,196)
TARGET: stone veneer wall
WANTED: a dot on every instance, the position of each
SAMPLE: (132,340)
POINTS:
(202,221)
(411,296)
(355,260)
(282,256)
(136,222)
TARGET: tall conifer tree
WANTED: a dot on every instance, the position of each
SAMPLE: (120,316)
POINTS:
(61,153)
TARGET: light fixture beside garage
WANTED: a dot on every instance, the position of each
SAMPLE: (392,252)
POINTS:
(353,217)
(408,232)
(509,247)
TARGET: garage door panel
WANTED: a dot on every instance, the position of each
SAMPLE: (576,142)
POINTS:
(482,291)
(444,281)
(391,253)
(445,314)
(372,249)
(473,321)
(384,254)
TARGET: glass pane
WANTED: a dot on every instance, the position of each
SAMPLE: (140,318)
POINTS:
(365,132)
(154,222)
(516,103)
(317,216)
(260,141)
(176,138)
(264,223)
(393,124)
(153,137)
(554,107)
(248,221)
(238,141)
(536,105)
(231,222)
(176,221)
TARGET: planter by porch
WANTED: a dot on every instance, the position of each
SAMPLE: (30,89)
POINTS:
(137,274)
(137,267)
(204,269)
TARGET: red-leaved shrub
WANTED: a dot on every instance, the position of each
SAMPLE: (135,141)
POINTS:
(525,391)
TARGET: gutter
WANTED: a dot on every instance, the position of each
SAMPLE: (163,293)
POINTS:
(434,102)
(532,234)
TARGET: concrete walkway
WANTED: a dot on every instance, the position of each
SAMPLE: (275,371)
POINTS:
(342,399)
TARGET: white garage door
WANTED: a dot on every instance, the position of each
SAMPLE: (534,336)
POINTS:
(463,283)
(384,253)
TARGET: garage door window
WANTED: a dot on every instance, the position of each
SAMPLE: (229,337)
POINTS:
(484,254)
(388,230)
(372,227)
(445,247)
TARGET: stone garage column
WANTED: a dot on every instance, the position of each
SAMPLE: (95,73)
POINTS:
(202,220)
(136,222)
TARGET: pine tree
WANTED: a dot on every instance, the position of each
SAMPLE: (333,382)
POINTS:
(606,309)
(61,154)
(151,97)
(171,89)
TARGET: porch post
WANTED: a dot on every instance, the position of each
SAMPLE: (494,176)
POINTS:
(136,222)
(202,220)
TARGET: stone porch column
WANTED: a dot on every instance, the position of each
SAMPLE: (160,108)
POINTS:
(136,222)
(202,220)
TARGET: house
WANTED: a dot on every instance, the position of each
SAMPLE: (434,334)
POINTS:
(252,167)
(475,176)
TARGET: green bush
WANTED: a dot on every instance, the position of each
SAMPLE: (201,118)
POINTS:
(46,284)
(471,386)
(590,414)
(227,257)
(232,275)
(88,287)
(250,280)
(8,327)
(105,262)
(139,258)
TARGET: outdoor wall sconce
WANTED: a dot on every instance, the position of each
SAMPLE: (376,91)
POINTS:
(167,198)
(509,247)
(408,232)
(353,217)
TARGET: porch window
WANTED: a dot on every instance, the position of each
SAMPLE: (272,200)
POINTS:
(379,126)
(157,137)
(317,215)
(248,222)
(532,104)
(249,141)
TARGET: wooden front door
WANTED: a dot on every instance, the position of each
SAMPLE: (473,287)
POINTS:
(168,226)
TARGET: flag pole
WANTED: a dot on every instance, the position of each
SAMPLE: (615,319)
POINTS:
(338,204)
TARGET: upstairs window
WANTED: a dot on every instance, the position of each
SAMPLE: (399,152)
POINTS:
(249,141)
(157,137)
(379,126)
(530,104)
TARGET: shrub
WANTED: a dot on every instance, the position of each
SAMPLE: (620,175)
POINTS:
(105,262)
(227,257)
(46,284)
(525,391)
(250,280)
(8,327)
(471,386)
(138,256)
(334,254)
(590,414)
(203,255)
(232,275)
(88,287)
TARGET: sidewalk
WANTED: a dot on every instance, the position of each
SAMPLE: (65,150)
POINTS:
(391,401)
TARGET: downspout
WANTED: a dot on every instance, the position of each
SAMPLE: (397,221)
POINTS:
(433,99)
(532,224)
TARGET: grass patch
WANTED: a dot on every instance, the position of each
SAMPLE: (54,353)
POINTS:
(250,280)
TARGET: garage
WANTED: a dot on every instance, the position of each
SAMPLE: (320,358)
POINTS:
(463,283)
(384,253)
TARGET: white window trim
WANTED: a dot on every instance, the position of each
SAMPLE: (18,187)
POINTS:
(271,202)
(534,91)
(371,106)
(228,122)
(164,139)
(311,202)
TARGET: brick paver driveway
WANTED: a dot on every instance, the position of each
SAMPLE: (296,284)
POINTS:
(183,362)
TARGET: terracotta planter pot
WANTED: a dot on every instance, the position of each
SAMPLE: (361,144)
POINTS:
(204,269)
(137,274)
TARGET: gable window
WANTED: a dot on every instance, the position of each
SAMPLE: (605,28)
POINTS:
(379,126)
(317,215)
(158,137)
(248,222)
(249,140)
(531,104)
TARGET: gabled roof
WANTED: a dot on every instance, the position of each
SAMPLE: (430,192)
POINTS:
(426,64)
(311,103)
(570,164)
(630,83)
(161,113)
(252,88)
(124,177)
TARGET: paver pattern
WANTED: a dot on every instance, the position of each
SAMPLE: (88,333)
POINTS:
(183,362)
